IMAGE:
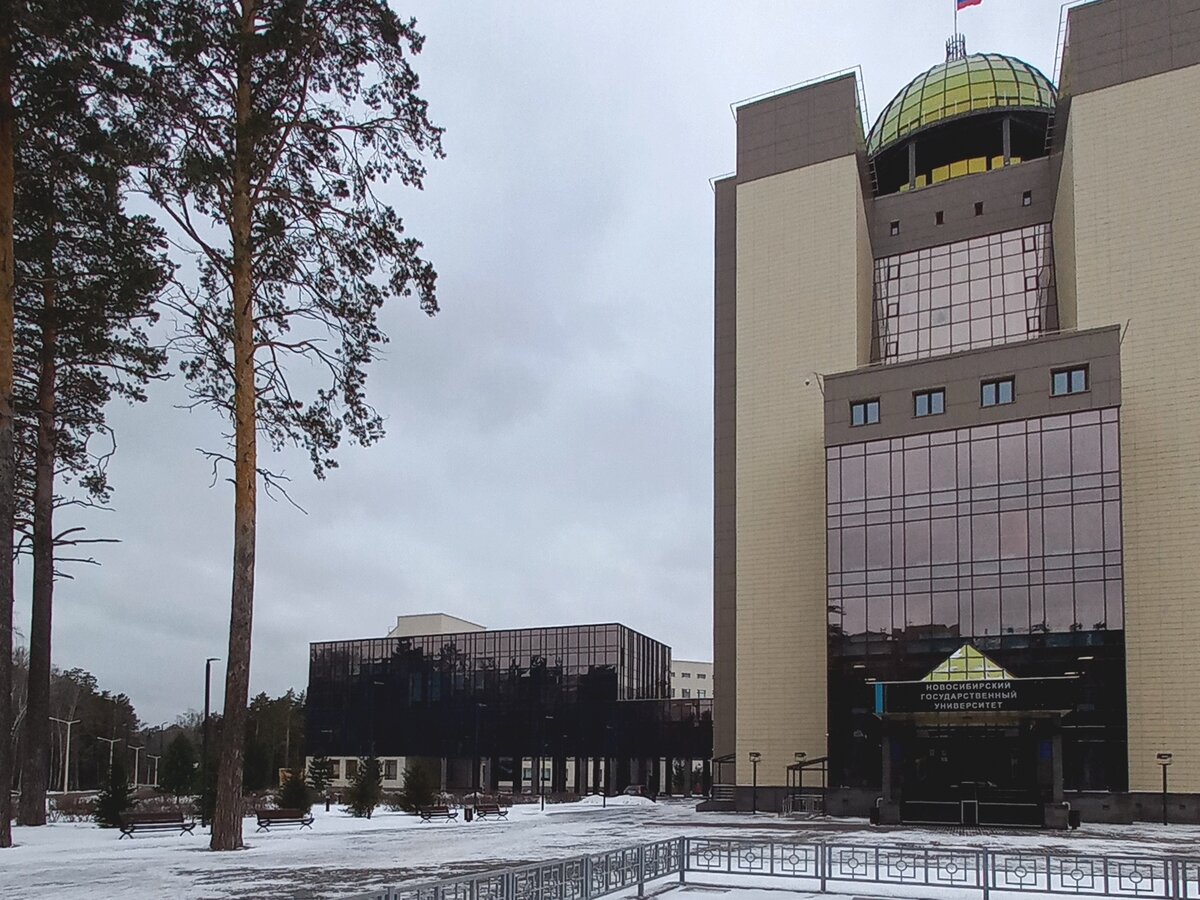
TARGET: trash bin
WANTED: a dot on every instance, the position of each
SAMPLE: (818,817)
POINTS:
(873,816)
(468,813)
(1073,818)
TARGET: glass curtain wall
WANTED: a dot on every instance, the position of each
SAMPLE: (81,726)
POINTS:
(1007,536)
(962,296)
(519,692)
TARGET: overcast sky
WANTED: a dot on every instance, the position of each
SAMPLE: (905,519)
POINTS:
(549,449)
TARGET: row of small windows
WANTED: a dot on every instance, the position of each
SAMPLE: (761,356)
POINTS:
(940,216)
(995,392)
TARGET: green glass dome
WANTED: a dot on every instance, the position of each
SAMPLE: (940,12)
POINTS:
(971,84)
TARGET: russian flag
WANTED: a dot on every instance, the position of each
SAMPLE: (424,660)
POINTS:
(963,4)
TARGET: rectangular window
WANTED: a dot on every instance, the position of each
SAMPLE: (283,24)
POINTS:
(929,403)
(979,208)
(1069,381)
(939,217)
(895,227)
(701,675)
(1027,198)
(998,392)
(685,674)
(687,693)
(351,769)
(389,770)
(864,412)
(701,694)
(335,769)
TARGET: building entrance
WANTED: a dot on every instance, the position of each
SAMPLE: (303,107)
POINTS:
(969,774)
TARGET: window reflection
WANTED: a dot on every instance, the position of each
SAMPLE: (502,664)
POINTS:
(976,293)
(986,531)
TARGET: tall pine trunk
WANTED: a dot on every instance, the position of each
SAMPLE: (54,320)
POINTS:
(35,763)
(7,446)
(227,819)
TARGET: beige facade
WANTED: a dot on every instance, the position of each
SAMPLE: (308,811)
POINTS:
(803,257)
(1131,189)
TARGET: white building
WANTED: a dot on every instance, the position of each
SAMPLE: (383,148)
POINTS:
(691,679)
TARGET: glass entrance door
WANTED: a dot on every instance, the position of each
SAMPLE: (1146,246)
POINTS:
(970,774)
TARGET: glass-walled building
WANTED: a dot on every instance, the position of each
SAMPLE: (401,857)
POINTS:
(587,705)
(956,498)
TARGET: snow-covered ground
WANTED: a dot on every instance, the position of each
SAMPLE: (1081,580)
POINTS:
(342,856)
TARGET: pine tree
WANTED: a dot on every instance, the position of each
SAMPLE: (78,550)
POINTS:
(320,773)
(294,793)
(115,799)
(179,767)
(418,790)
(366,789)
(279,123)
(86,278)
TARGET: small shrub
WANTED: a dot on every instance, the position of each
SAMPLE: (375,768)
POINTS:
(115,799)
(293,792)
(366,789)
(418,790)
(179,767)
(320,774)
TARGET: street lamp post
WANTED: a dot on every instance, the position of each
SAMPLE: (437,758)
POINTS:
(375,682)
(66,747)
(204,739)
(151,756)
(542,762)
(755,757)
(137,759)
(475,785)
(112,742)
(1164,760)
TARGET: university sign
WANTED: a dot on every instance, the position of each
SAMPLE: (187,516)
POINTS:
(1015,695)
(969,682)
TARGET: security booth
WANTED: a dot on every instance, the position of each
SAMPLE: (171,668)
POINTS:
(973,744)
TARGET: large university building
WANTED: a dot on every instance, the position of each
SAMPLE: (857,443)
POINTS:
(957,415)
(574,709)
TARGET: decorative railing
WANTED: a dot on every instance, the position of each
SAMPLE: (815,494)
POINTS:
(826,867)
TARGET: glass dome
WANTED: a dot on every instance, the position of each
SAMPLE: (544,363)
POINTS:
(975,83)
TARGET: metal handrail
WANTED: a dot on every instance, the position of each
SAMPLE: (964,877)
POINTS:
(821,864)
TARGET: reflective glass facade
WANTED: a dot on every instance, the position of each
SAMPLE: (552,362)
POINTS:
(1007,536)
(577,690)
(966,295)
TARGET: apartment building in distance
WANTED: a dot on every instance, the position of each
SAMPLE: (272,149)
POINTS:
(691,679)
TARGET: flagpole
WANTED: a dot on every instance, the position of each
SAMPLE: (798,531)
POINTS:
(955,2)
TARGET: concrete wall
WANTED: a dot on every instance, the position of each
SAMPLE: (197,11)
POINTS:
(961,374)
(1001,191)
(802,274)
(725,468)
(1135,188)
(1111,42)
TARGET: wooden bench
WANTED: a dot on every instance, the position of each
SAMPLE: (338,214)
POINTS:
(268,818)
(483,810)
(429,813)
(154,821)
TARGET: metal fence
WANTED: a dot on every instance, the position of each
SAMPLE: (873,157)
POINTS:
(824,867)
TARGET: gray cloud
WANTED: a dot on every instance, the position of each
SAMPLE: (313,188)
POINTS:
(549,449)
